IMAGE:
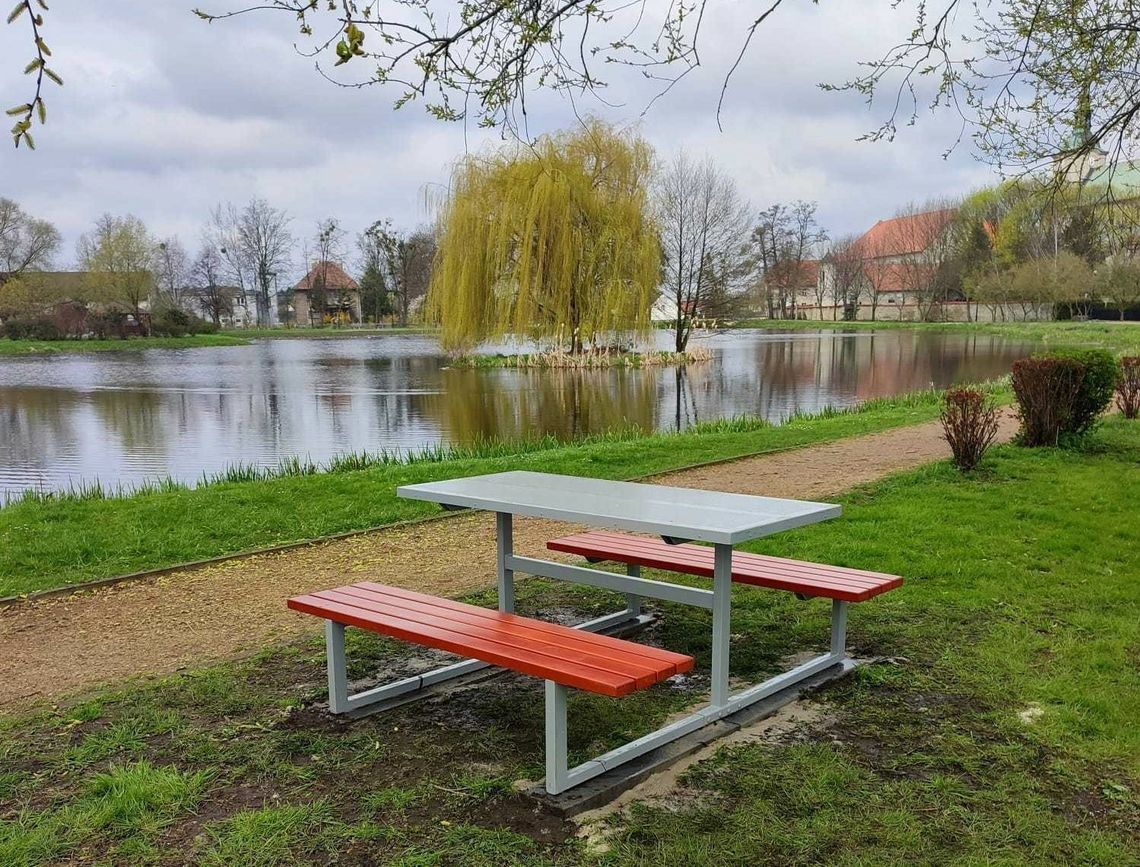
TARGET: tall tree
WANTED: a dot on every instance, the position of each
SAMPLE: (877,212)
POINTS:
(118,255)
(785,236)
(703,222)
(406,262)
(555,241)
(25,242)
(925,233)
(171,271)
(376,297)
(256,244)
(328,246)
(843,276)
(206,275)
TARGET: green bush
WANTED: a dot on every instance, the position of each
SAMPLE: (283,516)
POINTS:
(175,322)
(1094,396)
(30,328)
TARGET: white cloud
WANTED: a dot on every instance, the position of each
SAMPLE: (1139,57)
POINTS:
(164,116)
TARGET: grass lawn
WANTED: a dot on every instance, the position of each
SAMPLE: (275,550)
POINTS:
(132,344)
(1120,337)
(59,541)
(999,727)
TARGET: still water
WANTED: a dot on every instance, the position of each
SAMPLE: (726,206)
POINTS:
(123,417)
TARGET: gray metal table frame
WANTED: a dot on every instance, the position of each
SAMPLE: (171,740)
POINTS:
(724,520)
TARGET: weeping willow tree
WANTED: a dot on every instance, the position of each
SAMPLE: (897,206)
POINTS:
(554,241)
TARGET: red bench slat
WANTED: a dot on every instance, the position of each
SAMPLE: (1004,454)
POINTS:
(797,576)
(572,657)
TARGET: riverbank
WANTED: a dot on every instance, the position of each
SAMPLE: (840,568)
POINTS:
(56,541)
(1120,337)
(235,337)
(131,344)
(996,723)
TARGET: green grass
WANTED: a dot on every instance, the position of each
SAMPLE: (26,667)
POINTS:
(1021,595)
(1120,337)
(55,541)
(132,344)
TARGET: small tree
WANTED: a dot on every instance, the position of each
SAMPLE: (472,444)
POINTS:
(1118,283)
(969,424)
(556,241)
(1128,388)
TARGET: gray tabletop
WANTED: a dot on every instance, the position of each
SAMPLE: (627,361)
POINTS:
(703,516)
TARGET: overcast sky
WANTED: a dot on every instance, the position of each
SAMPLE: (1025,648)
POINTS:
(163,116)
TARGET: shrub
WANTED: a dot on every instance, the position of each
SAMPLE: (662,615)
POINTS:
(175,322)
(969,424)
(1094,396)
(1128,387)
(31,328)
(1046,388)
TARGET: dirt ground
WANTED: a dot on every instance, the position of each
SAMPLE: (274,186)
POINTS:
(188,619)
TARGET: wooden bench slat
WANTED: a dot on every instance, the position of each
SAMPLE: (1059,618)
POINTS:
(701,556)
(508,633)
(595,663)
(580,638)
(833,582)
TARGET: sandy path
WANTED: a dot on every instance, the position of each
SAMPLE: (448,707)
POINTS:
(59,646)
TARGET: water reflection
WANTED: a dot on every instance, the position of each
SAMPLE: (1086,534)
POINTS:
(125,417)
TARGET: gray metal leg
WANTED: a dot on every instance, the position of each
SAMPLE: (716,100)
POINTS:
(505,538)
(838,628)
(555,737)
(632,600)
(722,622)
(338,671)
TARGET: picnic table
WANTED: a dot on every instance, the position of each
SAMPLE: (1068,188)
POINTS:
(577,657)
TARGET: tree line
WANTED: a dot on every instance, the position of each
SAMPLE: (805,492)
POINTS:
(245,257)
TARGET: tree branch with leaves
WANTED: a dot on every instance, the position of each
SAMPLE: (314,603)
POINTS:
(35,108)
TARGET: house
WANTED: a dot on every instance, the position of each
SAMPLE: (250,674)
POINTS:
(326,294)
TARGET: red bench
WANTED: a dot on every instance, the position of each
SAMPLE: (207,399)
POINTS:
(560,655)
(571,657)
(807,579)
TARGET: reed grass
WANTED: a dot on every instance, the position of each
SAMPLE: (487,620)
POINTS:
(591,360)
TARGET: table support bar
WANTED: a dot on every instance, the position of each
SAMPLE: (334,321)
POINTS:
(628,584)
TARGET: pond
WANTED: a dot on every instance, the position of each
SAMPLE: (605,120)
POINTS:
(125,417)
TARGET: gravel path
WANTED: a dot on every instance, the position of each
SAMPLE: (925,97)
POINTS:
(189,619)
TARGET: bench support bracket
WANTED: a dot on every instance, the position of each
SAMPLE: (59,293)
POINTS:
(559,777)
(340,701)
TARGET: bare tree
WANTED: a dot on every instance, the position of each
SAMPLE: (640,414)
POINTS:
(25,242)
(785,237)
(255,243)
(703,220)
(171,271)
(206,275)
(843,276)
(924,248)
(328,246)
(407,262)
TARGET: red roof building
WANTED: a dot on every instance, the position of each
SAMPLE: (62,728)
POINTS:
(341,296)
